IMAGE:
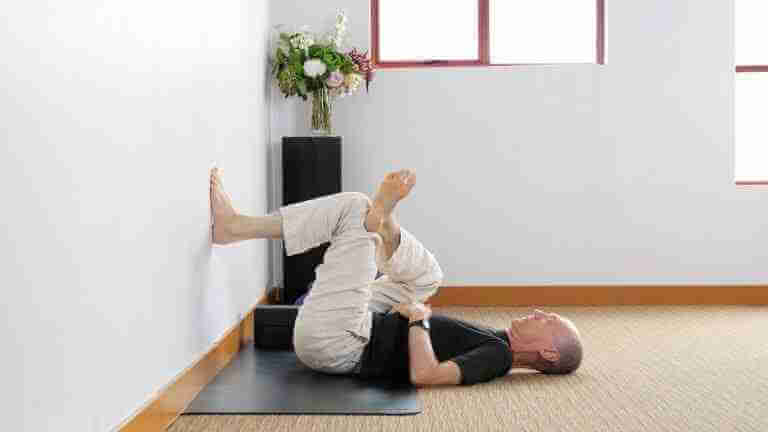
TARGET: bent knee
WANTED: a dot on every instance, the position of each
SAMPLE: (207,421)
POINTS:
(356,206)
(357,200)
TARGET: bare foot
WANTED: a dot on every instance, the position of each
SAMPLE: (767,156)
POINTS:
(393,188)
(224,213)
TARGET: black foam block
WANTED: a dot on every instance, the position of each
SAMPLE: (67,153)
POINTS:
(275,382)
(273,326)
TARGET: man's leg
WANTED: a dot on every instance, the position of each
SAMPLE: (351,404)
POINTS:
(333,325)
(411,272)
(230,226)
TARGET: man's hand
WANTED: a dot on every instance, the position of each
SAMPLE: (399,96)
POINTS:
(413,311)
(424,367)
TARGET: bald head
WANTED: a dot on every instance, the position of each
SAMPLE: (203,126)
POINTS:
(567,341)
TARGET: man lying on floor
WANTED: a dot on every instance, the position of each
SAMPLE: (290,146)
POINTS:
(353,323)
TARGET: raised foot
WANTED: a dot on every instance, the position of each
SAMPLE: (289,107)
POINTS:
(392,190)
(224,214)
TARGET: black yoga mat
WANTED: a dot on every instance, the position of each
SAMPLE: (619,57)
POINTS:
(275,382)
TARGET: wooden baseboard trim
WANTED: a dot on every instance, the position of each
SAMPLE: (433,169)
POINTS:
(597,295)
(170,402)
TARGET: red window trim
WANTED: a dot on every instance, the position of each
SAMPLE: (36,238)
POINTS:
(752,68)
(483,49)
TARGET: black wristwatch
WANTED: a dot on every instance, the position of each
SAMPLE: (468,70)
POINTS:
(423,323)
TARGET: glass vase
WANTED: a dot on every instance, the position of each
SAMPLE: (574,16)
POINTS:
(321,112)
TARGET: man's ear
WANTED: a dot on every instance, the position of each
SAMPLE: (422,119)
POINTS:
(550,355)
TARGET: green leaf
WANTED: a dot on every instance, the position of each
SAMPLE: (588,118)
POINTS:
(301,87)
(295,56)
(316,51)
(332,59)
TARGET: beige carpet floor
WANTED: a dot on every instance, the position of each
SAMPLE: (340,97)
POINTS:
(646,368)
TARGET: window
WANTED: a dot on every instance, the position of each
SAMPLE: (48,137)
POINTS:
(486,32)
(751,98)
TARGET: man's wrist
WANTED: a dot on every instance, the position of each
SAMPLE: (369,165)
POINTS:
(423,323)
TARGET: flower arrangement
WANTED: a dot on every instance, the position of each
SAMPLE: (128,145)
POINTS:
(305,65)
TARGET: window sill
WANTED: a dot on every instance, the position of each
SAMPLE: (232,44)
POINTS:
(751,182)
(408,65)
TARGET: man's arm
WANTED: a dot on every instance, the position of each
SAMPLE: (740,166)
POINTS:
(424,367)
(486,361)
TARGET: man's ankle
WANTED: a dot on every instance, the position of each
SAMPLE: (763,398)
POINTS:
(389,229)
(390,233)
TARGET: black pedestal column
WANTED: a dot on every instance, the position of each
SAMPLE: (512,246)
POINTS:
(311,169)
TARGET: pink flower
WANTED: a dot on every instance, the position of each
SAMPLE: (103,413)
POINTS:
(363,64)
(335,79)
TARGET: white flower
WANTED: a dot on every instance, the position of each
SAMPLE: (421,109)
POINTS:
(302,41)
(306,42)
(340,29)
(341,18)
(352,82)
(314,68)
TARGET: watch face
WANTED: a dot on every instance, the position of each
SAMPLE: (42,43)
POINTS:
(425,324)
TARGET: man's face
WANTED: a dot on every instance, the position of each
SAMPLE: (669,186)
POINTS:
(536,330)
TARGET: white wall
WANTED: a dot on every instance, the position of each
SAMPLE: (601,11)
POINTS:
(111,116)
(570,174)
